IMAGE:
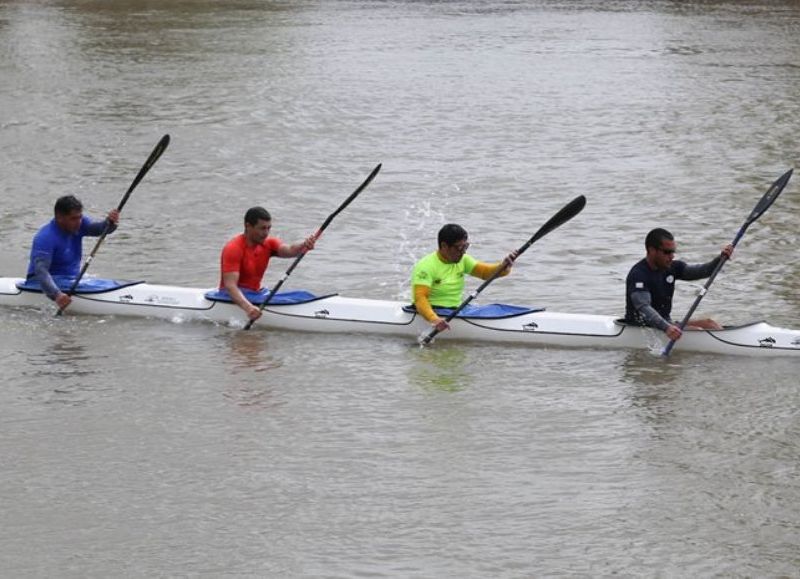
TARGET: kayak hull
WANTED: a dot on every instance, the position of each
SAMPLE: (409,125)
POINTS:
(337,314)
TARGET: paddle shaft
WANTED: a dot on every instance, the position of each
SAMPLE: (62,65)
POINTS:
(763,204)
(160,147)
(317,235)
(565,214)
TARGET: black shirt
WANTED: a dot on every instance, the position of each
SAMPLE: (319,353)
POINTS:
(660,285)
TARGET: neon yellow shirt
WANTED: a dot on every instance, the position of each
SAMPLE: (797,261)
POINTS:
(446,280)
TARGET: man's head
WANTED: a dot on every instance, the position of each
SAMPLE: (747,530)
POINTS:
(453,242)
(68,213)
(257,224)
(660,246)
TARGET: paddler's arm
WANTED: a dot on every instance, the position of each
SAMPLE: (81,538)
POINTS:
(41,270)
(96,228)
(422,302)
(486,270)
(230,282)
(296,249)
(702,271)
(642,303)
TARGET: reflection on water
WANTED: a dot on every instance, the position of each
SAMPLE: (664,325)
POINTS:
(441,366)
(249,350)
(655,382)
(649,368)
(248,353)
(62,368)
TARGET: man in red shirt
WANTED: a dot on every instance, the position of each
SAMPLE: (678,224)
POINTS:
(245,257)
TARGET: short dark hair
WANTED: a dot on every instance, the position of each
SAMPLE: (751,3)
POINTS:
(656,237)
(452,234)
(256,214)
(67,204)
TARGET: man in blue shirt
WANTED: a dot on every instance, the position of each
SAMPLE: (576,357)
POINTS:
(57,246)
(651,283)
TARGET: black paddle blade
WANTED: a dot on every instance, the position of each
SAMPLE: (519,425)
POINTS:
(352,196)
(569,211)
(159,149)
(769,197)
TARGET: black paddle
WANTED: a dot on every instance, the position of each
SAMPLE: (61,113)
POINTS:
(566,213)
(317,235)
(154,156)
(768,199)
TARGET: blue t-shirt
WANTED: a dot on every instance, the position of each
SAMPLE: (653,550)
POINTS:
(61,249)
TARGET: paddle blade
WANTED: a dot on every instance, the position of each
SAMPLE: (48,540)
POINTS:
(363,186)
(349,200)
(769,197)
(155,155)
(566,213)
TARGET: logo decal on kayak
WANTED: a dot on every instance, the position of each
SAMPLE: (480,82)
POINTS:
(127,298)
(767,342)
(321,314)
(530,327)
(165,300)
(796,342)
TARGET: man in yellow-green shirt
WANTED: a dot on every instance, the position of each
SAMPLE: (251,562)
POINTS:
(438,278)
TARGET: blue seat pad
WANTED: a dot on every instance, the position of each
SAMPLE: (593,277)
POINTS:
(486,312)
(257,298)
(86,286)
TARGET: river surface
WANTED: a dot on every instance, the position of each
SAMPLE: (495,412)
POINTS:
(144,448)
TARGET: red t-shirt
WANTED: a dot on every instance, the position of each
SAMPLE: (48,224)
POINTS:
(250,262)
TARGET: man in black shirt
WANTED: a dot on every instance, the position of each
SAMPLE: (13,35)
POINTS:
(651,283)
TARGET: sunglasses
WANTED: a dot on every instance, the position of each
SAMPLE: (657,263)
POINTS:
(666,251)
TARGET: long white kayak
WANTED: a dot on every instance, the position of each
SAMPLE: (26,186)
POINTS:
(336,314)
